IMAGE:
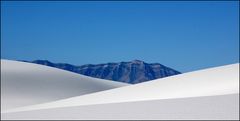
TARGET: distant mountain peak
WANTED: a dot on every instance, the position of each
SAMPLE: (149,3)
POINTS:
(133,72)
(137,61)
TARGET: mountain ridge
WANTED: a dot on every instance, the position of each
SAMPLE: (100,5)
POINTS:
(135,71)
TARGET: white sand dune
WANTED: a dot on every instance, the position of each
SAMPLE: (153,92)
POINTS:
(222,107)
(206,94)
(25,84)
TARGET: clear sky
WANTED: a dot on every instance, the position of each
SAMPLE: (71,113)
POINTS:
(185,36)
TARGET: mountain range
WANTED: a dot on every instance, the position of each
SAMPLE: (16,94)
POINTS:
(132,72)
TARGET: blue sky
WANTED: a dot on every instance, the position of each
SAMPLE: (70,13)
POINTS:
(186,36)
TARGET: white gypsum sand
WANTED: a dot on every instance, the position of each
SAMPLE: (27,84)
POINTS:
(221,107)
(221,80)
(25,84)
(205,94)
